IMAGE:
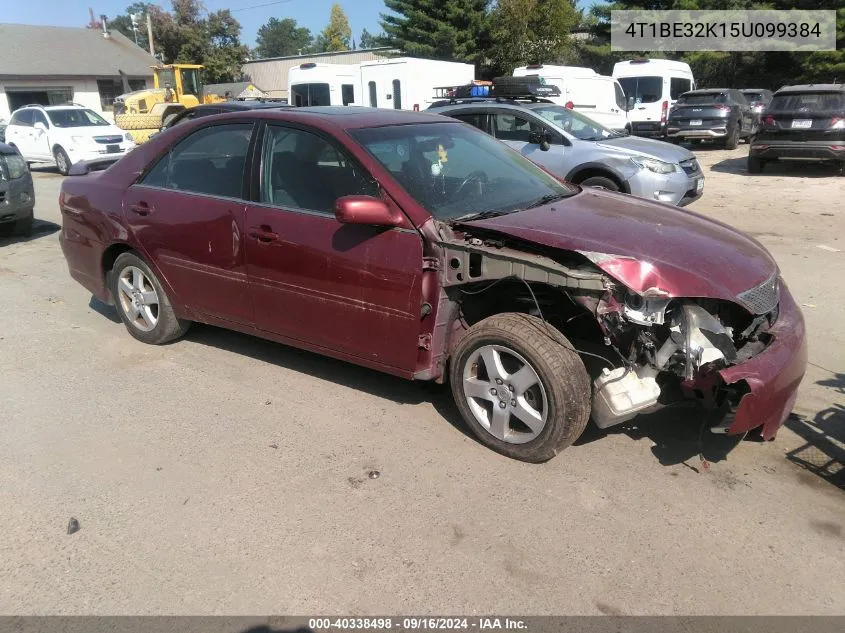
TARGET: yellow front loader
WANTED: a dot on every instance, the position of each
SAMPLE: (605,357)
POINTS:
(176,88)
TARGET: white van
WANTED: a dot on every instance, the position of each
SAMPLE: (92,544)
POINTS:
(401,83)
(652,86)
(584,90)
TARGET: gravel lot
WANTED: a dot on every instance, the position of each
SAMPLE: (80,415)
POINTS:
(224,474)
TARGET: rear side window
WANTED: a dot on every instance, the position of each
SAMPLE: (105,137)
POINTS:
(397,94)
(22,117)
(210,161)
(678,86)
(808,102)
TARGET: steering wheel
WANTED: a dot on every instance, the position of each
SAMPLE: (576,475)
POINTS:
(475,176)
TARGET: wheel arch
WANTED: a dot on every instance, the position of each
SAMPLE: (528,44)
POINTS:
(115,250)
(588,170)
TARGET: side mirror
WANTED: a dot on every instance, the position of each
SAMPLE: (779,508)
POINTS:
(630,104)
(365,210)
(40,126)
(79,169)
(541,139)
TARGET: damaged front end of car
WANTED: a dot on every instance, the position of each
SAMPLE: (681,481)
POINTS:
(744,357)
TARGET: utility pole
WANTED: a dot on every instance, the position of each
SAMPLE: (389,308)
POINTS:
(150,34)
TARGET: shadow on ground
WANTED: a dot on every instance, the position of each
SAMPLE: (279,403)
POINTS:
(794,169)
(40,228)
(823,452)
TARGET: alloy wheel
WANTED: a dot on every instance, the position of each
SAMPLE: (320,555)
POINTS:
(505,394)
(138,298)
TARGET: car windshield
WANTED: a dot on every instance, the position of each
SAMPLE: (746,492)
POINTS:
(456,171)
(808,102)
(703,98)
(75,117)
(575,123)
(643,89)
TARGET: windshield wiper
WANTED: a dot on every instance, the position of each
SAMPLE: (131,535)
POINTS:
(539,202)
(482,215)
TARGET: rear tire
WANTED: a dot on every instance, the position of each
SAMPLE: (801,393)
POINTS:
(732,140)
(600,182)
(514,367)
(62,160)
(755,165)
(130,122)
(142,303)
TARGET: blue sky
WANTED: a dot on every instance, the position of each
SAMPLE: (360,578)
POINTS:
(313,14)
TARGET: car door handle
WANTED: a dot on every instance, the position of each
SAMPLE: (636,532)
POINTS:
(142,208)
(263,234)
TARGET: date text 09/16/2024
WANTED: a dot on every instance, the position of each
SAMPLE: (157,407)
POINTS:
(416,624)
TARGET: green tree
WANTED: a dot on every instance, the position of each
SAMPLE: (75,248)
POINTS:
(280,38)
(453,30)
(337,35)
(531,31)
(368,40)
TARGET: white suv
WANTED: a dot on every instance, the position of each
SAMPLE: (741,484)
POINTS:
(65,135)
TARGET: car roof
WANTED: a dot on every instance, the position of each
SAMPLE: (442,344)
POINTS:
(242,105)
(351,117)
(813,88)
(707,91)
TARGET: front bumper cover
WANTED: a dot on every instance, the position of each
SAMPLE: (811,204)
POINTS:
(773,376)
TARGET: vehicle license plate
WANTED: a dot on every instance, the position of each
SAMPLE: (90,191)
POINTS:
(695,122)
(802,123)
(699,185)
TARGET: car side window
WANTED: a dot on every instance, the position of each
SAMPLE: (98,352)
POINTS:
(302,170)
(209,161)
(22,117)
(477,120)
(510,127)
(38,117)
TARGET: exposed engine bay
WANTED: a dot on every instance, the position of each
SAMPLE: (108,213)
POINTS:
(654,349)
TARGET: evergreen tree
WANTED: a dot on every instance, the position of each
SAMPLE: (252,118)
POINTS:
(280,38)
(337,35)
(453,30)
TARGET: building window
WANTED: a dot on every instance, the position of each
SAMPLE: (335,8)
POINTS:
(111,88)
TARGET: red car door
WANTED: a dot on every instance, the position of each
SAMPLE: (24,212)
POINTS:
(187,214)
(351,289)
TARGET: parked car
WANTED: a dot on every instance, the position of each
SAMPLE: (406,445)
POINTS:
(712,114)
(17,195)
(221,107)
(652,86)
(422,247)
(3,125)
(801,122)
(64,135)
(757,98)
(584,90)
(581,150)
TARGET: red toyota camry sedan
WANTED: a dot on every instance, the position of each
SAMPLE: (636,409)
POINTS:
(420,246)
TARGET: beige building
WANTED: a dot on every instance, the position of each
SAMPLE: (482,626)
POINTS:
(272,74)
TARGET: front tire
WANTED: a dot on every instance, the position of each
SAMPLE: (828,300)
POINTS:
(520,386)
(142,303)
(755,165)
(600,182)
(62,160)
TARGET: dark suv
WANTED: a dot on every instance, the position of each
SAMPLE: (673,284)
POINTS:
(801,122)
(716,113)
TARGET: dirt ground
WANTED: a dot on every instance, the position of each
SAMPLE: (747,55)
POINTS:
(223,474)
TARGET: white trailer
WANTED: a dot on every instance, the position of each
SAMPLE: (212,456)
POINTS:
(401,83)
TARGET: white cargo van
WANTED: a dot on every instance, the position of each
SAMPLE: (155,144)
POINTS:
(584,90)
(401,83)
(652,86)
